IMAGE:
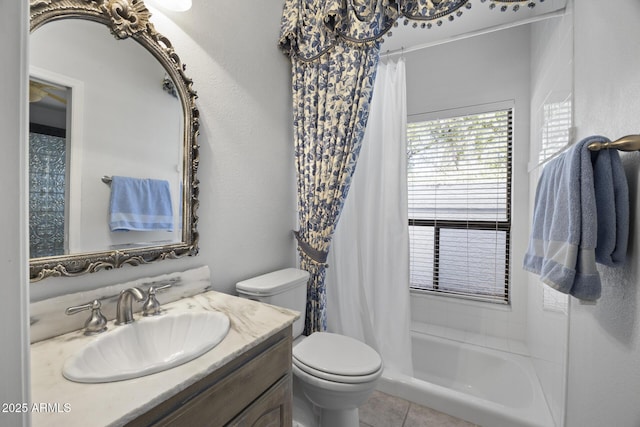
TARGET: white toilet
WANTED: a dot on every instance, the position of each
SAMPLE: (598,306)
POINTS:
(336,373)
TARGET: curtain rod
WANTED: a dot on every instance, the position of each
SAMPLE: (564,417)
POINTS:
(549,15)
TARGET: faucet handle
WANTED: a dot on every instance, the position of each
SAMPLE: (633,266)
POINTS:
(151,306)
(96,323)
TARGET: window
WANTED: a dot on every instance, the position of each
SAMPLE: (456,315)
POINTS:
(459,190)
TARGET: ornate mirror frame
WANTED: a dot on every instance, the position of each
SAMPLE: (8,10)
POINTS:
(130,18)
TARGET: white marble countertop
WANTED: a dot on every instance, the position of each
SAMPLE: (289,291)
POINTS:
(57,401)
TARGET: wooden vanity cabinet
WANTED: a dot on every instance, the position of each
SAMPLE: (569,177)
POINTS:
(255,389)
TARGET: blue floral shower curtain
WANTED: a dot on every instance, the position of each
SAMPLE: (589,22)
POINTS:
(331,99)
(332,84)
(334,47)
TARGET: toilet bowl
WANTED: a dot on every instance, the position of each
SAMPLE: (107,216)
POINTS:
(335,373)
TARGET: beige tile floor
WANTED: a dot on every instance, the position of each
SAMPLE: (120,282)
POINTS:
(383,410)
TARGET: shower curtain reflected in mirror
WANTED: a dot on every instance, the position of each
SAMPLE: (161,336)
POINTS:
(47,191)
(368,275)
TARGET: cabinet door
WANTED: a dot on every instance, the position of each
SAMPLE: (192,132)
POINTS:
(272,409)
(218,399)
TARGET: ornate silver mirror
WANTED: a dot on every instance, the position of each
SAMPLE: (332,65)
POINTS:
(111,110)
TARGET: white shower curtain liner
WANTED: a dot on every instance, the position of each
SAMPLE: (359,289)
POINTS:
(368,275)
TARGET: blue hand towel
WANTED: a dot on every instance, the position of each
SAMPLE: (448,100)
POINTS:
(140,205)
(574,214)
(612,202)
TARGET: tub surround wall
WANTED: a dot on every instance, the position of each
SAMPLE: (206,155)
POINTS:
(604,340)
(474,70)
(484,324)
(551,82)
(119,402)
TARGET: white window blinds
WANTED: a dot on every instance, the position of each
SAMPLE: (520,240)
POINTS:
(459,190)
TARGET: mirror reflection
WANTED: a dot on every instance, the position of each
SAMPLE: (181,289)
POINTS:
(48,167)
(131,127)
(112,142)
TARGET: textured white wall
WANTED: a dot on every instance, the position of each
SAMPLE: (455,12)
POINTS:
(247,186)
(14,294)
(479,70)
(604,339)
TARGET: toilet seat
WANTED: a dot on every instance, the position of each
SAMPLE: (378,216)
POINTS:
(337,358)
(346,379)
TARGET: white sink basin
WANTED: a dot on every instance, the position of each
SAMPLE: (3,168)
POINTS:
(147,346)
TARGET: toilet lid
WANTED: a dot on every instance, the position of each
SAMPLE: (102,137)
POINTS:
(336,355)
(273,283)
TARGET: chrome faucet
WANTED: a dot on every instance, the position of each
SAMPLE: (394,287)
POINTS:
(124,312)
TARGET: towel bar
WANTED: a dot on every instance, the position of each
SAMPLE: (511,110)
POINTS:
(106,179)
(626,143)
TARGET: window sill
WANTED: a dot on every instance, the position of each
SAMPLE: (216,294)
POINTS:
(461,300)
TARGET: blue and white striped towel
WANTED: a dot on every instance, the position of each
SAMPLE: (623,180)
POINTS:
(579,220)
(140,205)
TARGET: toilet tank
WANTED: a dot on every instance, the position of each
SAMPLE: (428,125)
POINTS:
(285,288)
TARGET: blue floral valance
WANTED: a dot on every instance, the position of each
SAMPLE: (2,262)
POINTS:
(309,28)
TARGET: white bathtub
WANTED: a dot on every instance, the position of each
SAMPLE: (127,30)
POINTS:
(487,387)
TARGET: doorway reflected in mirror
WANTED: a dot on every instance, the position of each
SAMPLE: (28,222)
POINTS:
(48,169)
